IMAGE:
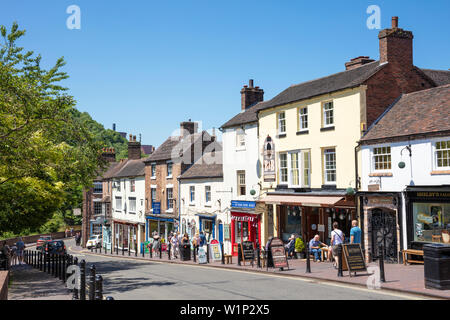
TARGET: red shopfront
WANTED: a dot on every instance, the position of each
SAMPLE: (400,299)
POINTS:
(244,227)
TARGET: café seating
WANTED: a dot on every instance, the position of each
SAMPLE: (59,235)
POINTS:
(436,238)
(445,236)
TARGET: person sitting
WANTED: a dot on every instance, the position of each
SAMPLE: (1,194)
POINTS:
(314,247)
(290,246)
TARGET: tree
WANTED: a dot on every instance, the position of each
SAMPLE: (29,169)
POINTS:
(46,154)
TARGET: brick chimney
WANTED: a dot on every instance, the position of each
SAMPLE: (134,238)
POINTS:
(250,95)
(109,154)
(188,127)
(357,62)
(134,148)
(396,45)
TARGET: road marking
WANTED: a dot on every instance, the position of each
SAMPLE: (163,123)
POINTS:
(410,296)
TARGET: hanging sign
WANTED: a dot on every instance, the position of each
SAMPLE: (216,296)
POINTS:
(269,160)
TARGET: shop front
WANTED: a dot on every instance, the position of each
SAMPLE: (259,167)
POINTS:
(245,224)
(162,224)
(125,235)
(207,225)
(306,216)
(427,215)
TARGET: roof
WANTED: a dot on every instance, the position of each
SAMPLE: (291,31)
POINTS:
(440,77)
(421,112)
(164,151)
(110,167)
(125,168)
(208,166)
(248,116)
(147,148)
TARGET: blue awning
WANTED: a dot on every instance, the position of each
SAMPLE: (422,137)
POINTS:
(211,216)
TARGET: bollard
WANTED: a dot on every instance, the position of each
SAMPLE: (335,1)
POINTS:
(75,290)
(258,255)
(143,251)
(207,253)
(160,250)
(98,287)
(340,255)
(308,260)
(92,282)
(83,280)
(58,266)
(41,258)
(92,249)
(150,249)
(135,248)
(123,249)
(64,268)
(168,250)
(111,247)
(129,248)
(49,261)
(223,253)
(96,248)
(239,255)
(101,248)
(53,264)
(109,298)
(194,254)
(33,264)
(44,262)
(382,279)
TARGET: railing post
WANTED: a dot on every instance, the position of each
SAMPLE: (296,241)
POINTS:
(33,263)
(53,264)
(258,255)
(83,280)
(194,253)
(59,261)
(308,260)
(150,249)
(49,263)
(135,248)
(64,268)
(98,287)
(92,282)
(168,251)
(223,253)
(44,262)
(381,262)
(160,250)
(239,255)
(340,255)
(207,253)
(75,290)
(129,247)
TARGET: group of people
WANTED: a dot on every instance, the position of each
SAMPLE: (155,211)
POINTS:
(337,238)
(176,240)
(14,254)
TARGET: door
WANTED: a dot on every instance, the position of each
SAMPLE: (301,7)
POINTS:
(312,223)
(220,232)
(384,233)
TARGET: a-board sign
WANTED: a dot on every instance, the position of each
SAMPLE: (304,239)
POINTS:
(216,251)
(278,253)
(201,255)
(353,258)
(247,251)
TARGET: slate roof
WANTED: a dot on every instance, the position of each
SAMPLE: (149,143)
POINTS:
(440,77)
(208,166)
(248,116)
(111,166)
(421,112)
(147,148)
(164,151)
(125,168)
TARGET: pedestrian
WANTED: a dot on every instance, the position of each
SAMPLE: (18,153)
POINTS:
(5,253)
(20,248)
(13,255)
(66,233)
(355,233)
(314,247)
(337,238)
(78,238)
(175,245)
(268,254)
(202,239)
(290,246)
(71,231)
(156,242)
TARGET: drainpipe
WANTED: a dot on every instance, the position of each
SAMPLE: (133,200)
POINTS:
(179,206)
(357,184)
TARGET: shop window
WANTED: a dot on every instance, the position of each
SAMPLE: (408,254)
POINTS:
(431,222)
(381,158)
(207,227)
(241,183)
(442,154)
(329,166)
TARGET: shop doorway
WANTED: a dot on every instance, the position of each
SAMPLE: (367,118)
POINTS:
(384,233)
(311,223)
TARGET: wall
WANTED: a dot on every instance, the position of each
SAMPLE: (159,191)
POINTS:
(4,278)
(347,119)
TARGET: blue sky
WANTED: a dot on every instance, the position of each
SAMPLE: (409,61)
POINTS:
(148,65)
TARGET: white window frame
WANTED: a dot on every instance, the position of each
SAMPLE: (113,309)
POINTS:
(117,207)
(302,118)
(435,151)
(279,122)
(207,190)
(240,139)
(280,168)
(373,155)
(303,168)
(169,176)
(132,184)
(130,199)
(191,194)
(169,200)
(324,168)
(238,180)
(301,153)
(152,199)
(153,174)
(290,170)
(324,114)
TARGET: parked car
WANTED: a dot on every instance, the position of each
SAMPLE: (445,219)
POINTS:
(54,247)
(94,241)
(42,240)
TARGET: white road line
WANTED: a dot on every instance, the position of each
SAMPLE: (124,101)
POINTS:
(410,296)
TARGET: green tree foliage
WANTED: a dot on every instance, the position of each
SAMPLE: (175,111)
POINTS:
(49,151)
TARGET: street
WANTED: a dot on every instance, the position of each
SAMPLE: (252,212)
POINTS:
(126,278)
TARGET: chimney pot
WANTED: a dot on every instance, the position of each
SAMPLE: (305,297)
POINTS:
(250,83)
(251,95)
(394,22)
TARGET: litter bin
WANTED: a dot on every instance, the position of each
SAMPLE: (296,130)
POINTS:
(185,252)
(436,259)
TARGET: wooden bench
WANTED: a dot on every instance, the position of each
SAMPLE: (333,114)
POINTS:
(412,252)
(228,259)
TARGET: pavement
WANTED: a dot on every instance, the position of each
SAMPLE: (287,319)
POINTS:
(31,284)
(407,279)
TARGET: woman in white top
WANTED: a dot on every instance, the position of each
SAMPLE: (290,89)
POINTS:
(337,237)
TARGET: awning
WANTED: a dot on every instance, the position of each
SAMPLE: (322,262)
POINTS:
(206,215)
(307,201)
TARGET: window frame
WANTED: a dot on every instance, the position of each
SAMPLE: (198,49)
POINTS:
(280,181)
(169,164)
(117,209)
(129,204)
(208,192)
(96,211)
(436,150)
(132,185)
(191,194)
(239,185)
(279,122)
(169,201)
(373,155)
(300,119)
(96,188)
(153,168)
(240,139)
(324,114)
(325,170)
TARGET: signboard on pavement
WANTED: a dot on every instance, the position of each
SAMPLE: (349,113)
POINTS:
(278,253)
(353,258)
(247,251)
(201,255)
(216,251)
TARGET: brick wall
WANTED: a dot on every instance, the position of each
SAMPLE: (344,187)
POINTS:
(4,278)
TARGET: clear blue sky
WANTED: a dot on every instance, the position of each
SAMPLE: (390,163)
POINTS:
(147,65)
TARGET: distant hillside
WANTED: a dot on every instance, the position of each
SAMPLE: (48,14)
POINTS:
(109,138)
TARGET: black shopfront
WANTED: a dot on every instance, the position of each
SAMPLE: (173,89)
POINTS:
(427,215)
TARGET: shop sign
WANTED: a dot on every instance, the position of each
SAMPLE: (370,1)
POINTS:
(156,206)
(216,251)
(202,255)
(243,218)
(226,232)
(432,194)
(376,201)
(278,253)
(353,258)
(243,204)
(247,251)
(269,160)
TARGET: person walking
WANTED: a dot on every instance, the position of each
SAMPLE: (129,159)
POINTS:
(156,243)
(202,239)
(5,253)
(337,238)
(71,231)
(66,233)
(175,245)
(355,233)
(20,248)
